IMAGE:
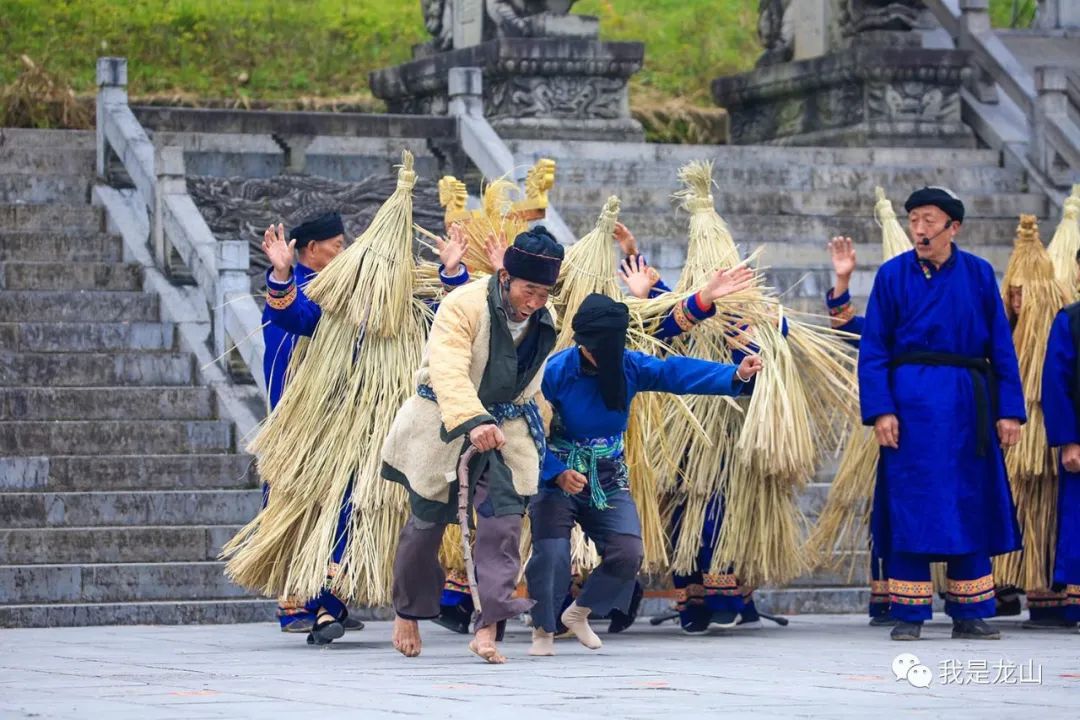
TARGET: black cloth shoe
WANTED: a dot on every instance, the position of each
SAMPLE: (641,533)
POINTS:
(325,632)
(882,621)
(976,629)
(622,620)
(454,618)
(1007,603)
(906,631)
(352,624)
(696,621)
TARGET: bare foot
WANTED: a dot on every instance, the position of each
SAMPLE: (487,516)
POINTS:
(543,643)
(484,646)
(406,637)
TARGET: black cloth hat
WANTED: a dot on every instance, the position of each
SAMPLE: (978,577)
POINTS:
(600,326)
(535,256)
(320,227)
(939,197)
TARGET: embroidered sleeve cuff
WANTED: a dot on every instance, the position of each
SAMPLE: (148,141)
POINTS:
(833,300)
(689,313)
(697,308)
(841,309)
(459,278)
(280,296)
(271,283)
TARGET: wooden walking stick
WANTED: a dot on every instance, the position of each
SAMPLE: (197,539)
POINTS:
(463,518)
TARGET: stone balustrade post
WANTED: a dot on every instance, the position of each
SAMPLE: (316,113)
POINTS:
(111,80)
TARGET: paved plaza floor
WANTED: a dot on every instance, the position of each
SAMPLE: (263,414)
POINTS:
(818,666)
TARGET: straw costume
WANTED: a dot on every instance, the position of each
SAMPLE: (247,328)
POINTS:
(732,497)
(1066,242)
(1033,296)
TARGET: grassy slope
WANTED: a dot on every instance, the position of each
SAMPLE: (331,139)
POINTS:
(276,49)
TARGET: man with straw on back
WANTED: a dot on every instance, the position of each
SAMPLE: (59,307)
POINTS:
(477,386)
(940,384)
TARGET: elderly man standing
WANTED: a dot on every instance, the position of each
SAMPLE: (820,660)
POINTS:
(477,385)
(939,382)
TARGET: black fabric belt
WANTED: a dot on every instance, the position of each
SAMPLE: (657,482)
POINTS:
(983,381)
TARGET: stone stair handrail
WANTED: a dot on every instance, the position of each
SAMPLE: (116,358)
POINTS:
(218,268)
(1054,149)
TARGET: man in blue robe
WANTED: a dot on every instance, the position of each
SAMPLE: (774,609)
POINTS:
(289,315)
(1061,410)
(584,478)
(940,384)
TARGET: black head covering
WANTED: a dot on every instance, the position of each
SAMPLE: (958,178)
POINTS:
(535,256)
(320,227)
(600,326)
(939,197)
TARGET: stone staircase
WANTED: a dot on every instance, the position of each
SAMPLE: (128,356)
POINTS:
(119,481)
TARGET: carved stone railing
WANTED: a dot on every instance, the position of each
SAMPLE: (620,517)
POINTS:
(1054,148)
(218,268)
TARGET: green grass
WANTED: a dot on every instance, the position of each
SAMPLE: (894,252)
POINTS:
(238,50)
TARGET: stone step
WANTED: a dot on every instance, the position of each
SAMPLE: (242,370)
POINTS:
(67,189)
(116,583)
(47,139)
(805,601)
(70,276)
(110,403)
(122,509)
(673,229)
(114,437)
(528,151)
(87,337)
(127,472)
(50,546)
(52,218)
(60,369)
(568,197)
(616,176)
(22,160)
(46,246)
(78,305)
(166,612)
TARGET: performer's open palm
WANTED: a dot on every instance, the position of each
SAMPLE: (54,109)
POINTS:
(452,248)
(279,251)
(637,275)
(727,282)
(495,247)
(842,252)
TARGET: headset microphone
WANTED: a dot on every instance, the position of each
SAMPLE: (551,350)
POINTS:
(926,240)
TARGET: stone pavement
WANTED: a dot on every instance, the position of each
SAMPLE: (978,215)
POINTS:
(819,666)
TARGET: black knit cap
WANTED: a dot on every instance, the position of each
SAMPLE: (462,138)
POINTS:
(319,227)
(939,197)
(535,256)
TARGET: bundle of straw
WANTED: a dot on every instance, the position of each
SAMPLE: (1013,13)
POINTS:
(843,525)
(326,434)
(1031,465)
(774,450)
(1066,242)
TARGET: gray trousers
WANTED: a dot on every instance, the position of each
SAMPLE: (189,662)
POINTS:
(616,532)
(419,576)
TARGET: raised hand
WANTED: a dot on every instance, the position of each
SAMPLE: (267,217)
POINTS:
(638,276)
(842,253)
(452,249)
(626,240)
(279,252)
(495,247)
(726,282)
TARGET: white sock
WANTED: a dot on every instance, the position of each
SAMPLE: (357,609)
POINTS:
(576,619)
(543,643)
